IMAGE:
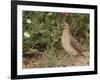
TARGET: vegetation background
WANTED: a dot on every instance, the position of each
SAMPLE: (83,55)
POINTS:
(42,33)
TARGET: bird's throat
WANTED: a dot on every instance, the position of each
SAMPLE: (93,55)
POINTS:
(66,35)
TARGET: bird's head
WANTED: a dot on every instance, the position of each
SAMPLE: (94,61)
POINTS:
(65,26)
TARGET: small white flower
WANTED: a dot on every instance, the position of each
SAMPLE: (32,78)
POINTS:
(28,21)
(49,14)
(27,34)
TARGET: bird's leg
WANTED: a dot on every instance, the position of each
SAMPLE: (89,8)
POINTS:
(72,58)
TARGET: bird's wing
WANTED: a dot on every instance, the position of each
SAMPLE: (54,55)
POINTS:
(75,44)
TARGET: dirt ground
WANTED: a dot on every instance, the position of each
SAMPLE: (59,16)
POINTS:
(62,60)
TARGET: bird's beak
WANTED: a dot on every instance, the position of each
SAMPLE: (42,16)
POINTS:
(65,25)
(62,25)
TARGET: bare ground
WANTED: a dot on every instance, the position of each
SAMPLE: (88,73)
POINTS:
(62,60)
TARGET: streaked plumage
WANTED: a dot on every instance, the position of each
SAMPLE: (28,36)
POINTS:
(70,44)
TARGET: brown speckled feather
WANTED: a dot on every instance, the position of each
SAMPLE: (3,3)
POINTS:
(75,44)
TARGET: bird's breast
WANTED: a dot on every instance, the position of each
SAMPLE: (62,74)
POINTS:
(65,40)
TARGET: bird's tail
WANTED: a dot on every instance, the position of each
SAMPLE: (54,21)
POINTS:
(85,50)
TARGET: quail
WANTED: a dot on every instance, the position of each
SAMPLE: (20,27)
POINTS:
(69,43)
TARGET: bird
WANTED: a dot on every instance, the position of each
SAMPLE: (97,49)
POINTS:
(69,43)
